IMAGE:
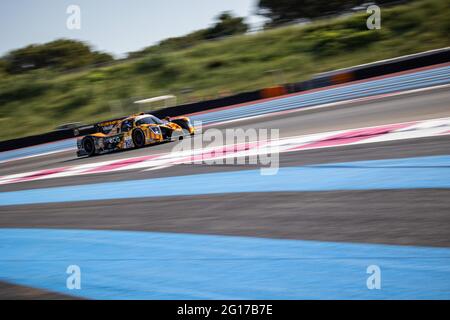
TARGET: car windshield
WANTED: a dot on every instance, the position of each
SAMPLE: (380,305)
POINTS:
(149,120)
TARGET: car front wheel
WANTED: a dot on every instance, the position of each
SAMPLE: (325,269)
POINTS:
(138,138)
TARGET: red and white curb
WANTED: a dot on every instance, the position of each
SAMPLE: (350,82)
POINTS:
(388,132)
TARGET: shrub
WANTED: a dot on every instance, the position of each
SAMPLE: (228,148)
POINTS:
(150,63)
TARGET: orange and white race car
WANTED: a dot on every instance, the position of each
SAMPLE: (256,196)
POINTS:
(134,131)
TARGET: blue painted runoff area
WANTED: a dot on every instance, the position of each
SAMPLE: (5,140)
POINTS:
(403,173)
(414,80)
(39,149)
(151,265)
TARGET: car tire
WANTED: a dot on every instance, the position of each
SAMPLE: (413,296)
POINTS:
(138,138)
(89,146)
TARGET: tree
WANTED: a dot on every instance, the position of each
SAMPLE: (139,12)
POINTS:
(282,11)
(2,66)
(59,54)
(226,25)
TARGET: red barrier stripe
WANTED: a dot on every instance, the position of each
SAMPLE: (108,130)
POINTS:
(353,136)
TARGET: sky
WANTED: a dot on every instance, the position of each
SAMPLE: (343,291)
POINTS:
(114,26)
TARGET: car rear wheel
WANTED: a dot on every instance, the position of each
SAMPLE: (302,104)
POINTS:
(138,138)
(89,146)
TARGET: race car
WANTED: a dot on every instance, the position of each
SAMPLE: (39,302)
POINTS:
(134,131)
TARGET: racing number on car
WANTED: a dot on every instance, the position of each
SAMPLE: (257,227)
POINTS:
(128,143)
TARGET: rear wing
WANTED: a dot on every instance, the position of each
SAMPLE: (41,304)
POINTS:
(107,125)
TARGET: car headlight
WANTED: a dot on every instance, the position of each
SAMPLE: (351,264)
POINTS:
(155,130)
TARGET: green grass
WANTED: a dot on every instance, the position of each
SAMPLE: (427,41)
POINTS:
(41,100)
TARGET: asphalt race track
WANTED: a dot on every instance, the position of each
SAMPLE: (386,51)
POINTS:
(414,106)
(385,203)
